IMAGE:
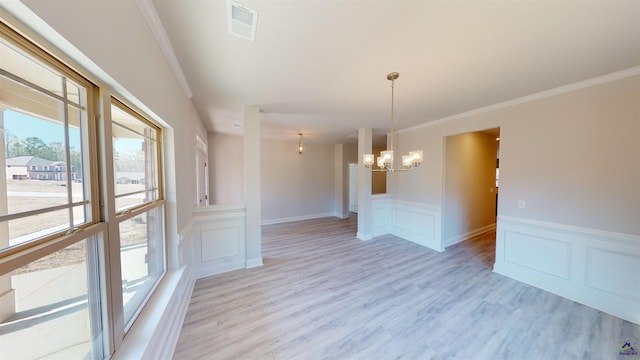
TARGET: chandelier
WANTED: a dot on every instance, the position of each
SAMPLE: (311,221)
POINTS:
(385,160)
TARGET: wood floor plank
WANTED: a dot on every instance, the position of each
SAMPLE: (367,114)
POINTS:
(324,294)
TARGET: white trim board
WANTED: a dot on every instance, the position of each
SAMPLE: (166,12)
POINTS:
(297,218)
(468,235)
(155,333)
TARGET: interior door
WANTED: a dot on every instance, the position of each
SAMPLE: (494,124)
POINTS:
(353,188)
(202,179)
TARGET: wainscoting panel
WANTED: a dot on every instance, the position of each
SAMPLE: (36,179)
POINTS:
(593,267)
(381,205)
(418,223)
(539,253)
(219,241)
(623,279)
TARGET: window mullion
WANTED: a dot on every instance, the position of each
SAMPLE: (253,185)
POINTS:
(114,305)
(67,154)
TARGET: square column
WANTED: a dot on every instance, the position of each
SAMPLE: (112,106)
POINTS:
(365,210)
(252,186)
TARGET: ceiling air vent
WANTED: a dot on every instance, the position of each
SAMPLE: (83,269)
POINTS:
(241,21)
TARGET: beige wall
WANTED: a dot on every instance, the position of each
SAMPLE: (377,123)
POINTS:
(573,157)
(293,185)
(469,185)
(226,169)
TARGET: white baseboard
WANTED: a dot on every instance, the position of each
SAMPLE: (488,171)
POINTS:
(206,270)
(363,236)
(251,263)
(466,236)
(590,266)
(296,218)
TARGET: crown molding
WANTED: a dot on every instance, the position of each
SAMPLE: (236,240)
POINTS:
(153,20)
(537,96)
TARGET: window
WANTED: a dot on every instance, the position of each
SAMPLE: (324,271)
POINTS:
(45,119)
(49,237)
(138,205)
(135,145)
(78,258)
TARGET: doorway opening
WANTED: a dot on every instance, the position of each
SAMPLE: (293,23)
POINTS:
(471,183)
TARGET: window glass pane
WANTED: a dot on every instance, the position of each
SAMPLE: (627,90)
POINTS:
(29,69)
(41,150)
(76,143)
(142,258)
(32,194)
(75,93)
(128,201)
(80,213)
(32,227)
(50,307)
(135,159)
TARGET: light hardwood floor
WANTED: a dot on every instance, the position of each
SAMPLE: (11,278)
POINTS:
(324,294)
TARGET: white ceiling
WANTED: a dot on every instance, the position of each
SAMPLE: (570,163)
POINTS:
(320,67)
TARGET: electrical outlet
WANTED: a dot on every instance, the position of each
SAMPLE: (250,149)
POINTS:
(522,204)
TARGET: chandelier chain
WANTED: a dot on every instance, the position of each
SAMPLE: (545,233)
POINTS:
(393,120)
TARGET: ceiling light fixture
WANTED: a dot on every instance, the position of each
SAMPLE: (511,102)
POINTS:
(385,160)
(300,148)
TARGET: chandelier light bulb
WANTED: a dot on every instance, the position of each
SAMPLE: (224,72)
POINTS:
(300,147)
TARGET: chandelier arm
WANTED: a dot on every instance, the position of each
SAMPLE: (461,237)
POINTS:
(393,170)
